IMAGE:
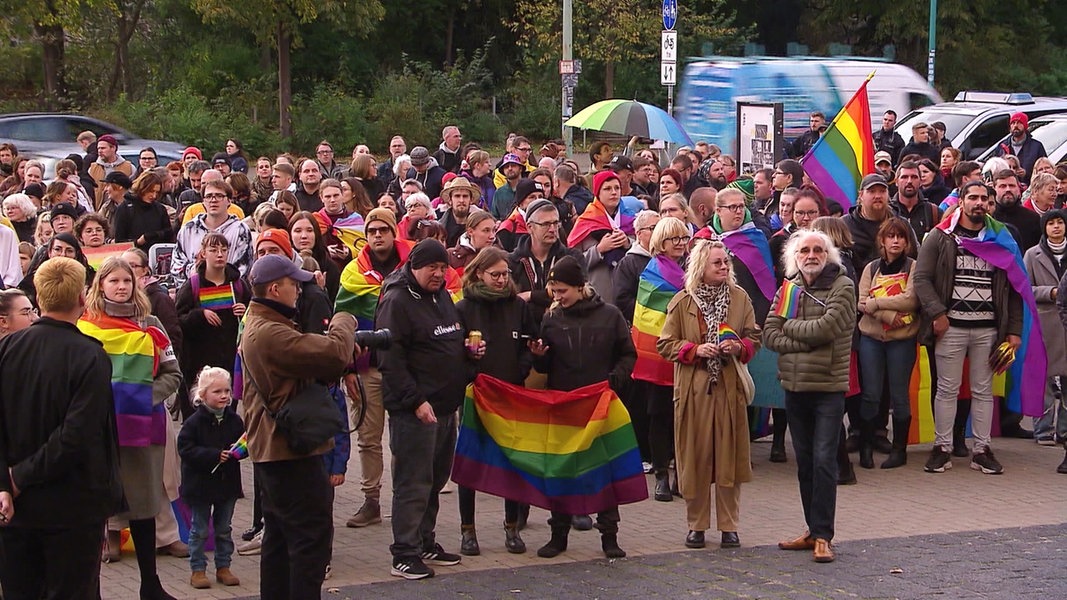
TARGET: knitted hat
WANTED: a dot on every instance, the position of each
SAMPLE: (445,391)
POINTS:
(600,178)
(427,252)
(34,189)
(538,205)
(64,209)
(568,271)
(384,215)
(279,237)
(525,188)
(110,139)
(194,151)
(419,156)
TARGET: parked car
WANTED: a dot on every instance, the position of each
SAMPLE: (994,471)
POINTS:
(1050,130)
(50,156)
(975,121)
(41,134)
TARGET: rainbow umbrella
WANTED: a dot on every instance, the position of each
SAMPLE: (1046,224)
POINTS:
(630,117)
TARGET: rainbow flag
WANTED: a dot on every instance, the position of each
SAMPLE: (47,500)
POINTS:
(97,256)
(134,354)
(361,285)
(238,451)
(727,333)
(218,297)
(595,218)
(349,230)
(572,452)
(845,153)
(659,282)
(788,300)
(1024,385)
(749,245)
(921,391)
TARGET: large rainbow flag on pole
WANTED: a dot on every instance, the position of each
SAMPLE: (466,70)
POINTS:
(845,153)
(572,452)
(659,282)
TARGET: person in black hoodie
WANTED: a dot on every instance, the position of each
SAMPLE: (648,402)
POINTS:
(140,219)
(424,379)
(491,306)
(583,341)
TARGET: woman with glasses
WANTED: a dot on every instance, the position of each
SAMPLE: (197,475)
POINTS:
(16,311)
(491,305)
(675,205)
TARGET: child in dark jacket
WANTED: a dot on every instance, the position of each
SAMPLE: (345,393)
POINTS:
(211,474)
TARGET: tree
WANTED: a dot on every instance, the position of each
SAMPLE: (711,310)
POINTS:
(617,31)
(277,22)
(50,18)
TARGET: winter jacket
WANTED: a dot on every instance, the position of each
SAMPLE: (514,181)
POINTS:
(888,141)
(485,184)
(427,360)
(886,308)
(935,274)
(183,263)
(200,442)
(814,347)
(588,342)
(276,360)
(530,274)
(453,228)
(803,143)
(626,278)
(1027,224)
(202,343)
(1044,277)
(430,180)
(922,218)
(306,200)
(506,325)
(579,196)
(448,160)
(135,217)
(1028,154)
(924,149)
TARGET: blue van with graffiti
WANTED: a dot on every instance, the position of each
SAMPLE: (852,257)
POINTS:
(711,87)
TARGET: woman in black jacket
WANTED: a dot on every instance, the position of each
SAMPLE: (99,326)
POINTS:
(583,341)
(140,219)
(491,306)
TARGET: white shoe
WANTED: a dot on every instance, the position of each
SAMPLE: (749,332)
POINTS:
(251,547)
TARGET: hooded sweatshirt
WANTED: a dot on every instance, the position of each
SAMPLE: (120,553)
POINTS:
(183,263)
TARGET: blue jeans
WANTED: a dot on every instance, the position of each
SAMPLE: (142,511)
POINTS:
(1055,413)
(220,513)
(815,424)
(897,358)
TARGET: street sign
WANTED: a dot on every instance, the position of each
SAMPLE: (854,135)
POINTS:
(668,73)
(668,46)
(570,67)
(670,13)
(569,80)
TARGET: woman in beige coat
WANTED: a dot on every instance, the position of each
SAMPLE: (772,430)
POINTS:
(710,420)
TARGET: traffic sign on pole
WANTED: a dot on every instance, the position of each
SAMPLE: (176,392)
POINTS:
(670,13)
(668,73)
(668,46)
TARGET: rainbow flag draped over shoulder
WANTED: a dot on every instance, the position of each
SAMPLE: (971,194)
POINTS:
(659,282)
(1025,382)
(750,246)
(349,230)
(595,218)
(97,256)
(845,153)
(572,452)
(134,352)
(361,285)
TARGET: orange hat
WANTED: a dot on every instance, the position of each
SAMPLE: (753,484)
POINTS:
(279,237)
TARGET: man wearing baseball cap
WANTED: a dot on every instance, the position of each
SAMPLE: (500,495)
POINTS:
(278,360)
(108,160)
(1022,145)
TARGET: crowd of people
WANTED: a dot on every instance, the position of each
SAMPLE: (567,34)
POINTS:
(221,297)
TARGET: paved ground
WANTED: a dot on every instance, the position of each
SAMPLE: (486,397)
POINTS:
(891,519)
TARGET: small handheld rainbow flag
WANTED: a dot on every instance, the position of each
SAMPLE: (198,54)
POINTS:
(238,451)
(727,333)
(788,300)
(219,297)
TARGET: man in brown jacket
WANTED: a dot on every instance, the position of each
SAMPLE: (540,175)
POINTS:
(108,161)
(297,497)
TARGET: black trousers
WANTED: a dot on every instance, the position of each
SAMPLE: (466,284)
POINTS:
(297,528)
(51,564)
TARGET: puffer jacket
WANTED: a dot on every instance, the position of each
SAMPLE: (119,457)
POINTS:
(886,308)
(814,347)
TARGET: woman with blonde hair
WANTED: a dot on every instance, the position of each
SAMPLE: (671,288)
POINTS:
(144,374)
(709,333)
(675,205)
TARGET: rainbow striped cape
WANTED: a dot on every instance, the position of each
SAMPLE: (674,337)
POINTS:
(659,282)
(97,256)
(1024,387)
(572,452)
(845,153)
(361,285)
(595,218)
(349,230)
(135,355)
(749,245)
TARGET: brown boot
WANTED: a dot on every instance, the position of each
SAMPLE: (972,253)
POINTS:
(368,514)
(176,549)
(226,577)
(823,552)
(804,542)
(199,580)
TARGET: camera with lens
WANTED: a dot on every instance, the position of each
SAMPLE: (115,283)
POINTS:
(378,339)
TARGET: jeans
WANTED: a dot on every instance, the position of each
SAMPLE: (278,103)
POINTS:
(951,348)
(815,423)
(221,514)
(1053,421)
(877,358)
(297,527)
(422,464)
(51,564)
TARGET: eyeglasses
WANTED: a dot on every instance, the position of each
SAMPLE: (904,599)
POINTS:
(378,230)
(215,196)
(499,274)
(777,173)
(548,224)
(733,207)
(680,239)
(805,213)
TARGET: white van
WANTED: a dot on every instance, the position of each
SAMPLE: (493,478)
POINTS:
(711,87)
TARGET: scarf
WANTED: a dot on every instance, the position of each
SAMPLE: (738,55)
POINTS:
(713,302)
(478,290)
(1056,251)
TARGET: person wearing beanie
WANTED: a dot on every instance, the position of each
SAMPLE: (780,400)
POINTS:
(1021,144)
(190,154)
(108,161)
(424,373)
(425,170)
(220,161)
(274,241)
(583,341)
(505,196)
(515,227)
(361,283)
(604,232)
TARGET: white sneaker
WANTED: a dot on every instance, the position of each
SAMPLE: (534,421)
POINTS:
(251,547)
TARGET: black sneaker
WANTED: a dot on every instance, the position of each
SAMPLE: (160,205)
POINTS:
(438,556)
(410,568)
(986,463)
(250,533)
(939,461)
